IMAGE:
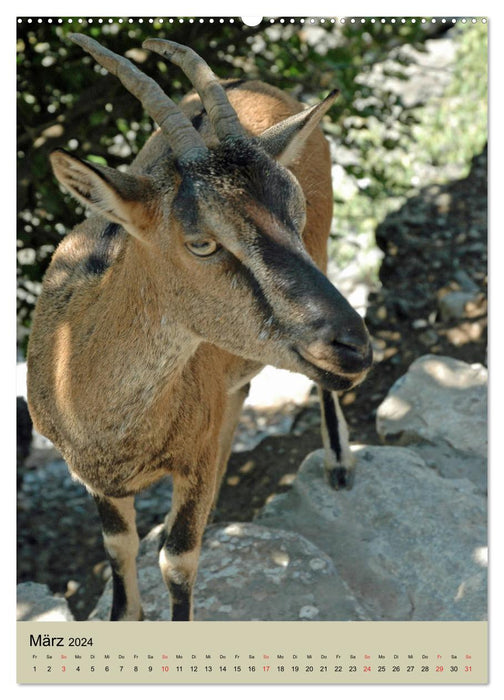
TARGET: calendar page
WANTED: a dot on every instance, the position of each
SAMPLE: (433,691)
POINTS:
(252,350)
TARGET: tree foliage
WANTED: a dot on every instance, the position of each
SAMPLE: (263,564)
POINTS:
(66,100)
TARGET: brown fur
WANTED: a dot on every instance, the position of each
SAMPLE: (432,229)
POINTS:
(313,172)
(140,371)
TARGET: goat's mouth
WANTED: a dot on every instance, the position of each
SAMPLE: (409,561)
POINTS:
(336,369)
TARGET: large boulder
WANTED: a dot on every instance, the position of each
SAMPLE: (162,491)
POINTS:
(409,544)
(440,407)
(36,603)
(248,572)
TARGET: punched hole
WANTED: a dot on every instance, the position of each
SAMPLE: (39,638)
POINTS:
(252,21)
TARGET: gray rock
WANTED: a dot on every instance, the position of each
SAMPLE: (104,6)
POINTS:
(36,603)
(454,305)
(409,544)
(440,407)
(466,282)
(253,573)
(248,572)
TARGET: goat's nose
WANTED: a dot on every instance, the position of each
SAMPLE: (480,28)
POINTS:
(354,337)
(347,344)
(355,354)
(351,333)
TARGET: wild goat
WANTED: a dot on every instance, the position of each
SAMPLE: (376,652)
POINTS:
(198,266)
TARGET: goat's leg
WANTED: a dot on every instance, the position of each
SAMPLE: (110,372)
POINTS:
(339,460)
(228,429)
(121,542)
(184,526)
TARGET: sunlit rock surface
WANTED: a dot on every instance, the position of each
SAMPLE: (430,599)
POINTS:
(440,407)
(407,542)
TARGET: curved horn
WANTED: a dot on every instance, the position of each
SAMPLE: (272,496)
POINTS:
(222,115)
(183,138)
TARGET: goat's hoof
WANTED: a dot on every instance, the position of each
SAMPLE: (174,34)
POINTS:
(133,618)
(340,477)
(340,474)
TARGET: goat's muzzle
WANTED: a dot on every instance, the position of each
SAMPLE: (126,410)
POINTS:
(340,354)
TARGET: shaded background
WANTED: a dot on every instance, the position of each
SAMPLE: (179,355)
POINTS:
(408,141)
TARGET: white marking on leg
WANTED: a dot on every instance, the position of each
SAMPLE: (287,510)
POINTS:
(123,549)
(347,457)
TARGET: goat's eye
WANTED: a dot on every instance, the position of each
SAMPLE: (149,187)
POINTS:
(203,249)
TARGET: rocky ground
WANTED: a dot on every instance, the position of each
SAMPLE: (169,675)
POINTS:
(435,259)
(408,542)
(432,300)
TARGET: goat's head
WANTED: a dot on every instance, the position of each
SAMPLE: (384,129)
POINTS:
(224,226)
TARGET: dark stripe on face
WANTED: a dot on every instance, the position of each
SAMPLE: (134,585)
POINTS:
(100,259)
(296,276)
(260,300)
(185,203)
(267,184)
(323,308)
(331,422)
(112,521)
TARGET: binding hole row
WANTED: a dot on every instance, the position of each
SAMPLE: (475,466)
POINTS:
(247,21)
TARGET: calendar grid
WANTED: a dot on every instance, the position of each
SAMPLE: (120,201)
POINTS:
(253,652)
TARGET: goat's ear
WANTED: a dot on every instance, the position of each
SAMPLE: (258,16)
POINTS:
(285,140)
(106,191)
